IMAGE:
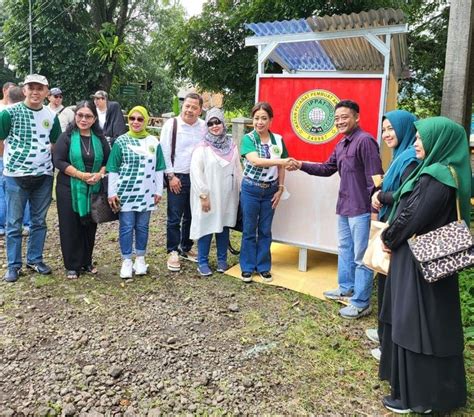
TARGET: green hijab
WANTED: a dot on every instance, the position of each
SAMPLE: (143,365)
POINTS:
(142,133)
(445,143)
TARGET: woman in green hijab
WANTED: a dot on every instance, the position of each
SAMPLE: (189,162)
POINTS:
(135,169)
(422,358)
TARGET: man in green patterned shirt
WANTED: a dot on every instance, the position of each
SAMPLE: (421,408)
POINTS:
(28,131)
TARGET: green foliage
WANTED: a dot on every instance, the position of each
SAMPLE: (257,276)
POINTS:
(60,44)
(422,92)
(209,49)
(109,49)
(84,45)
(466,288)
(175,106)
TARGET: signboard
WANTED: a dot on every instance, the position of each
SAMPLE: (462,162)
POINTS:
(304,115)
(304,110)
(129,90)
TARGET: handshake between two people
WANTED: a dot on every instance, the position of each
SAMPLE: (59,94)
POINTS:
(291,164)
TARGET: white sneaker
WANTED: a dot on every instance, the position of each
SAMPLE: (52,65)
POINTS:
(126,271)
(140,267)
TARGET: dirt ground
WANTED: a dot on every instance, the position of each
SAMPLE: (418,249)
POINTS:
(175,343)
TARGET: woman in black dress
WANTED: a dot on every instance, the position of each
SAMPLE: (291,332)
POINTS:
(398,133)
(425,366)
(80,155)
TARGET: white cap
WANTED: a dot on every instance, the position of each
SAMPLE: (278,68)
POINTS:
(36,78)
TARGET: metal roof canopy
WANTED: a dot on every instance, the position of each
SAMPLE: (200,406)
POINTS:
(359,42)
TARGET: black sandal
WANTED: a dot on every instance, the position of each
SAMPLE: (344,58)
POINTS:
(90,269)
(71,274)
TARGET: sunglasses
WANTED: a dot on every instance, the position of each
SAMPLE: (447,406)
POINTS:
(138,119)
(211,123)
(84,116)
(58,96)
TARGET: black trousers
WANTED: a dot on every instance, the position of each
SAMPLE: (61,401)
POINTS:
(77,239)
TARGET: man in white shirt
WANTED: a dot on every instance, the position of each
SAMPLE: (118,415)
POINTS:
(65,114)
(28,130)
(190,130)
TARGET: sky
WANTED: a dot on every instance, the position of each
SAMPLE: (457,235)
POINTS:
(193,7)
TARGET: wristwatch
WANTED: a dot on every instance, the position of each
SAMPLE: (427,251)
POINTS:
(170,175)
(203,196)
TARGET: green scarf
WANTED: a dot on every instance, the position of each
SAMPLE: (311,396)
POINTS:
(445,143)
(142,133)
(80,190)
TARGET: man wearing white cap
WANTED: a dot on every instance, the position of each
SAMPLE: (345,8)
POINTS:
(28,130)
(65,114)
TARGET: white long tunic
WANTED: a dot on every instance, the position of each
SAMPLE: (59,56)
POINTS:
(220,180)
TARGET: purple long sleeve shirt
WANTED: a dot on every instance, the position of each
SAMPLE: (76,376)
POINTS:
(356,158)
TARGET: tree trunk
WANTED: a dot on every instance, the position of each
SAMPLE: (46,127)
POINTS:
(459,68)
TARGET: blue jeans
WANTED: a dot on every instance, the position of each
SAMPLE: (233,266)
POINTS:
(179,217)
(3,205)
(204,244)
(257,216)
(18,191)
(130,221)
(353,275)
(27,216)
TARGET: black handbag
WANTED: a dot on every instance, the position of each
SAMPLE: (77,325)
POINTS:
(101,212)
(445,250)
(239,225)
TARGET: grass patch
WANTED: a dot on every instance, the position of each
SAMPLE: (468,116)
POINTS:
(40,281)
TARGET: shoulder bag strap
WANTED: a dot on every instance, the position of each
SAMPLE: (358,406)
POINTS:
(173,140)
(455,176)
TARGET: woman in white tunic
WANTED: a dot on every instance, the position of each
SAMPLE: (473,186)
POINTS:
(135,169)
(216,174)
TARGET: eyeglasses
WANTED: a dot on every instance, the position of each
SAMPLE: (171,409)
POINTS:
(84,116)
(99,98)
(138,119)
(211,123)
(58,96)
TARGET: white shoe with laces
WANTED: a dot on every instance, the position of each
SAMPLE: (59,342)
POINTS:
(126,271)
(140,267)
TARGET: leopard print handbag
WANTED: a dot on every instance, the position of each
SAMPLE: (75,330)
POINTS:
(443,251)
(446,250)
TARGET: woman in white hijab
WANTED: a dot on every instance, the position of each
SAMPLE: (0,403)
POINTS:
(216,175)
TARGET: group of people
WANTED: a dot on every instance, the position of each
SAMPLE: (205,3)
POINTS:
(420,330)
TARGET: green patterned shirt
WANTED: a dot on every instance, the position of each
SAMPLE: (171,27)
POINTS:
(276,149)
(136,161)
(28,136)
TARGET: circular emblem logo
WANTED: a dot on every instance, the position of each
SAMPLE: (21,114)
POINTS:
(46,124)
(312,116)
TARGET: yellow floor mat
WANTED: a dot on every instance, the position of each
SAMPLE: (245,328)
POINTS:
(320,276)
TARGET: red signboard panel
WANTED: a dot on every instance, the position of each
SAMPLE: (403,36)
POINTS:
(285,94)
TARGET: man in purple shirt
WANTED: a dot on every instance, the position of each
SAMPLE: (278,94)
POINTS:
(356,158)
